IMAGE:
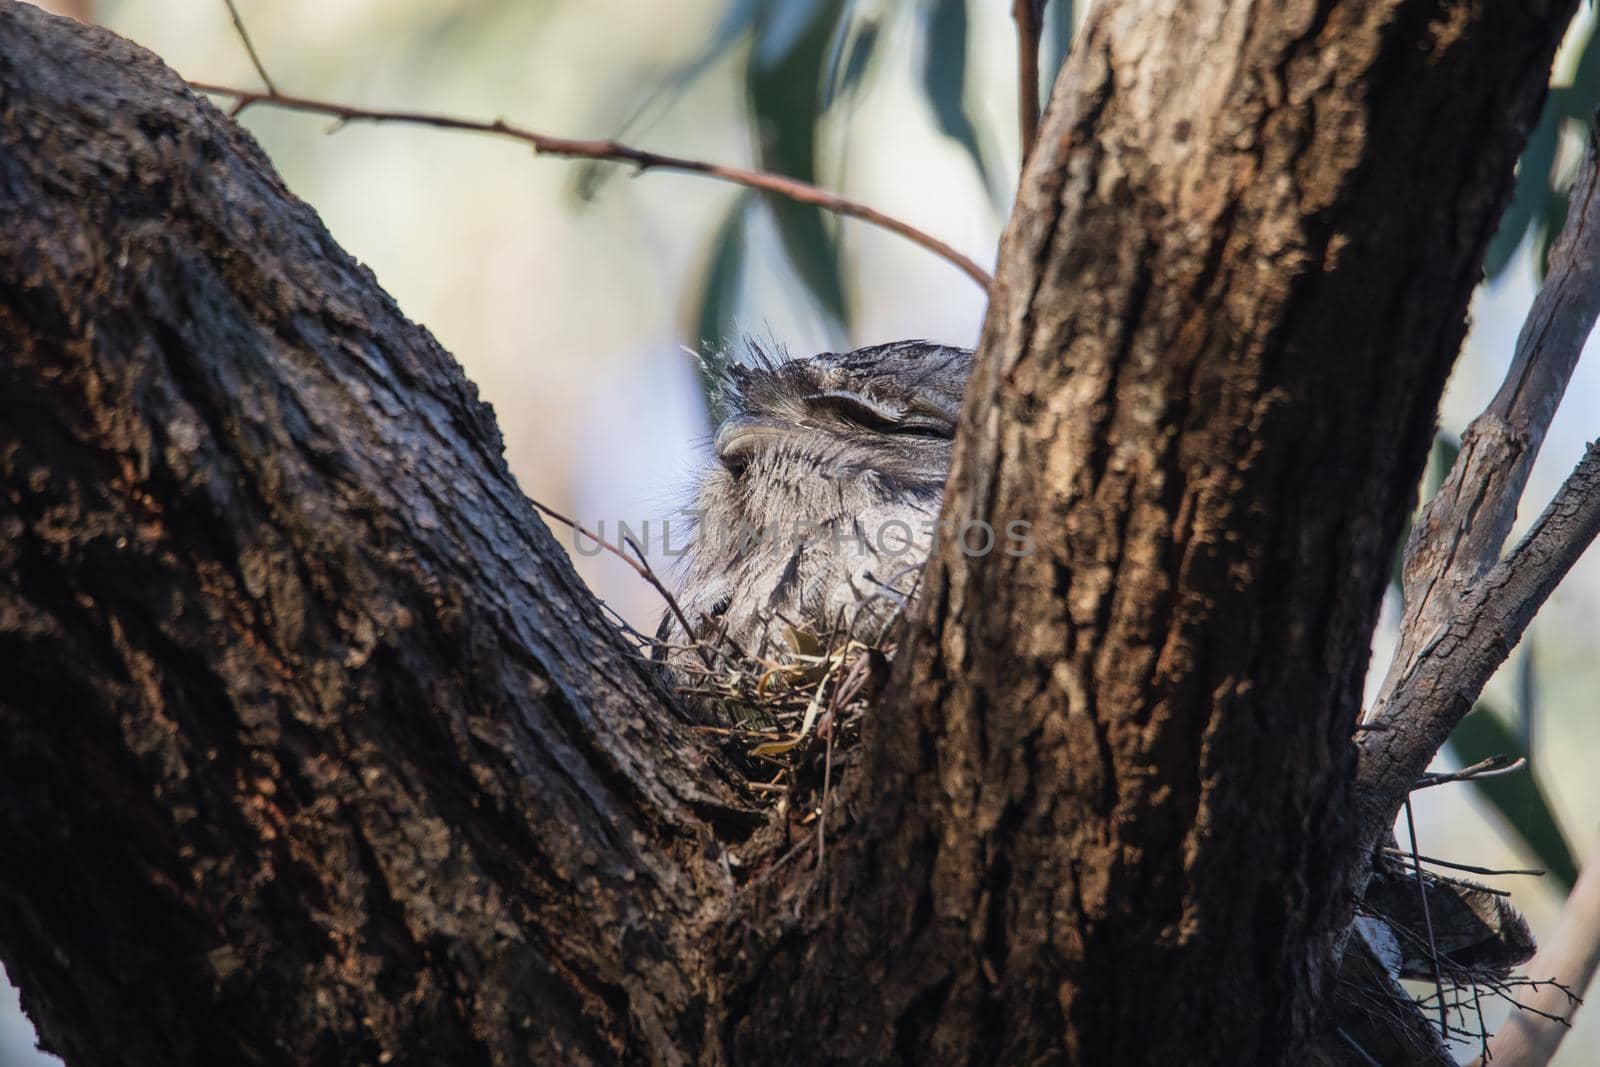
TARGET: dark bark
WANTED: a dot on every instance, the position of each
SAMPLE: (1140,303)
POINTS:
(313,748)
(1226,305)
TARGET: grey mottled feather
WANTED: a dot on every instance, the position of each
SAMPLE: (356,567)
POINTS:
(819,505)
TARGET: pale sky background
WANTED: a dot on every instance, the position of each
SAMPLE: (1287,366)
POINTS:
(572,320)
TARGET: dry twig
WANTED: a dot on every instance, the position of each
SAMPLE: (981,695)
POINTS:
(574,148)
(614,151)
(1427,921)
(1469,868)
(642,568)
(250,47)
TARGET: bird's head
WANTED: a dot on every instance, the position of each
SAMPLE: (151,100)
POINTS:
(889,409)
(827,470)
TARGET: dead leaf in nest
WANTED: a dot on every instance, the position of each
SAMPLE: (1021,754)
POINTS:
(802,642)
(775,748)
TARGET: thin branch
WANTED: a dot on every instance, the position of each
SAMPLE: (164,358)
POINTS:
(1355,1047)
(642,568)
(1493,767)
(1469,868)
(1029,16)
(1449,672)
(614,151)
(827,783)
(649,574)
(1427,921)
(1461,532)
(249,46)
(1532,1035)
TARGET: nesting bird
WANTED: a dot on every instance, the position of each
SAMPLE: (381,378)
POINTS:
(818,511)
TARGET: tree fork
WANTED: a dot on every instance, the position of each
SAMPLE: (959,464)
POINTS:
(313,748)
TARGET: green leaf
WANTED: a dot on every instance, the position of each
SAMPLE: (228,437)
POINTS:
(722,284)
(851,54)
(1532,187)
(1539,200)
(1518,798)
(1552,217)
(784,81)
(944,80)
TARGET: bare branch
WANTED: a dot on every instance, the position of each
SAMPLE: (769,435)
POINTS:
(1446,675)
(642,568)
(1463,528)
(1493,767)
(572,148)
(1029,15)
(1469,868)
(249,46)
(1531,1036)
(1427,921)
(648,573)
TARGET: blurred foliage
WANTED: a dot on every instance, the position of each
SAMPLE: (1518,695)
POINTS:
(792,52)
(717,306)
(1059,18)
(439,36)
(803,59)
(1539,201)
(1518,798)
(801,63)
(944,82)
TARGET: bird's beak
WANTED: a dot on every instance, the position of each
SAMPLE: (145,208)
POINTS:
(739,438)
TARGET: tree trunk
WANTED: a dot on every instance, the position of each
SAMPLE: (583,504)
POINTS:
(1226,305)
(313,749)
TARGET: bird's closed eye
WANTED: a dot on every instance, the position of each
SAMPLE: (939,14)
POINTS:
(920,427)
(856,409)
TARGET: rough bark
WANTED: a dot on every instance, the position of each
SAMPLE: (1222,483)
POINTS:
(1226,305)
(1438,688)
(1462,530)
(313,749)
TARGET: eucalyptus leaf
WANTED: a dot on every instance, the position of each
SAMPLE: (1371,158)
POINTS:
(722,284)
(1539,200)
(736,23)
(1552,216)
(1518,798)
(784,81)
(1058,23)
(851,53)
(1531,189)
(944,81)
(1441,458)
